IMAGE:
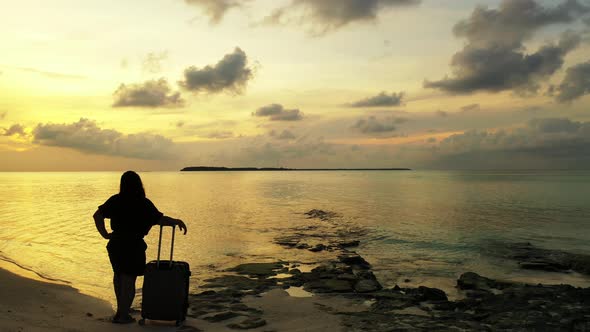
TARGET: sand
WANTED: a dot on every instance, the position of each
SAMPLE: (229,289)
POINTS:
(29,303)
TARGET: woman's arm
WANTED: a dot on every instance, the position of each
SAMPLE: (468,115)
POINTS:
(99,222)
(167,221)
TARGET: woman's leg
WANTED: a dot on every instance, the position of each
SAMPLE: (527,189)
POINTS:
(127,292)
(117,286)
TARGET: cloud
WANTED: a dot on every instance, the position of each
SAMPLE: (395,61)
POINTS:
(372,125)
(220,134)
(276,112)
(470,107)
(381,100)
(284,135)
(14,130)
(497,69)
(494,57)
(153,93)
(575,84)
(216,9)
(230,74)
(541,143)
(329,15)
(152,63)
(86,136)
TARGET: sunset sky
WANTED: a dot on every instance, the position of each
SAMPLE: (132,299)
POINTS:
(163,84)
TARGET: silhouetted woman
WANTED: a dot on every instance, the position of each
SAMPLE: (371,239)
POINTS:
(132,215)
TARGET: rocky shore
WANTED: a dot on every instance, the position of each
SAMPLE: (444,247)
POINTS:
(486,305)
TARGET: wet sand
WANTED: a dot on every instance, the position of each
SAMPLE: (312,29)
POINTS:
(30,304)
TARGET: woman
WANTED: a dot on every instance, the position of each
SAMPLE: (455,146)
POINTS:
(132,215)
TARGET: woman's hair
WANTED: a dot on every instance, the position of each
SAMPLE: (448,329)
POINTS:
(131,185)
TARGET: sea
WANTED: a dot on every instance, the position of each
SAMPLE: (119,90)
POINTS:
(414,227)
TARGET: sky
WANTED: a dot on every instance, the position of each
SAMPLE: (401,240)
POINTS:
(164,84)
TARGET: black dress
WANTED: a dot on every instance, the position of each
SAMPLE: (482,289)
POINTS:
(131,219)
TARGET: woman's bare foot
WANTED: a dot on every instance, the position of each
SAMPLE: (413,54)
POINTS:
(123,319)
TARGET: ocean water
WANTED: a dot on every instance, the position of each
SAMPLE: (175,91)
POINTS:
(418,227)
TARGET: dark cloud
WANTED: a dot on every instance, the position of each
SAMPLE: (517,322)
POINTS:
(14,130)
(284,135)
(86,136)
(547,142)
(220,134)
(213,124)
(381,100)
(470,107)
(276,112)
(555,125)
(329,15)
(152,63)
(372,125)
(216,9)
(494,57)
(153,93)
(497,69)
(230,74)
(575,84)
(179,124)
(442,114)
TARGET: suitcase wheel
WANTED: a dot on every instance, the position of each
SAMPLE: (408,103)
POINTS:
(141,322)
(179,323)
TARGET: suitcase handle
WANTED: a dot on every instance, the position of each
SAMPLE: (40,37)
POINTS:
(160,245)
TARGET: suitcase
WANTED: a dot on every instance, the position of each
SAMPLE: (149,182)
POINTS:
(165,288)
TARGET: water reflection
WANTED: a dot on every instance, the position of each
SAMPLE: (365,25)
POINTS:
(422,225)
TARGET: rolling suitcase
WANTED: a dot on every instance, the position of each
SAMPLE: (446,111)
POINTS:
(165,288)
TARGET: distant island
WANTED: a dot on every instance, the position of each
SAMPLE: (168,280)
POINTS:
(266,169)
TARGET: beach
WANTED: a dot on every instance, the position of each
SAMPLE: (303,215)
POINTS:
(312,251)
(31,304)
(346,297)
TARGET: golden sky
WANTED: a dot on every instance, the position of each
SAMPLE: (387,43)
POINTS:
(163,84)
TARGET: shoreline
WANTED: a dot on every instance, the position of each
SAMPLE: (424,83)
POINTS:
(32,303)
(337,292)
(256,297)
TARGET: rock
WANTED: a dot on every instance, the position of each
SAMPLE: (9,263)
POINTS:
(320,214)
(354,259)
(471,280)
(533,258)
(258,269)
(249,323)
(329,286)
(548,266)
(347,276)
(366,286)
(302,246)
(221,316)
(517,307)
(318,247)
(287,241)
(432,294)
(348,244)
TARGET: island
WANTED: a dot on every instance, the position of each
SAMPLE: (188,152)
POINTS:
(275,169)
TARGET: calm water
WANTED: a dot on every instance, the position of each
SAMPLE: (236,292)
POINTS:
(425,226)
